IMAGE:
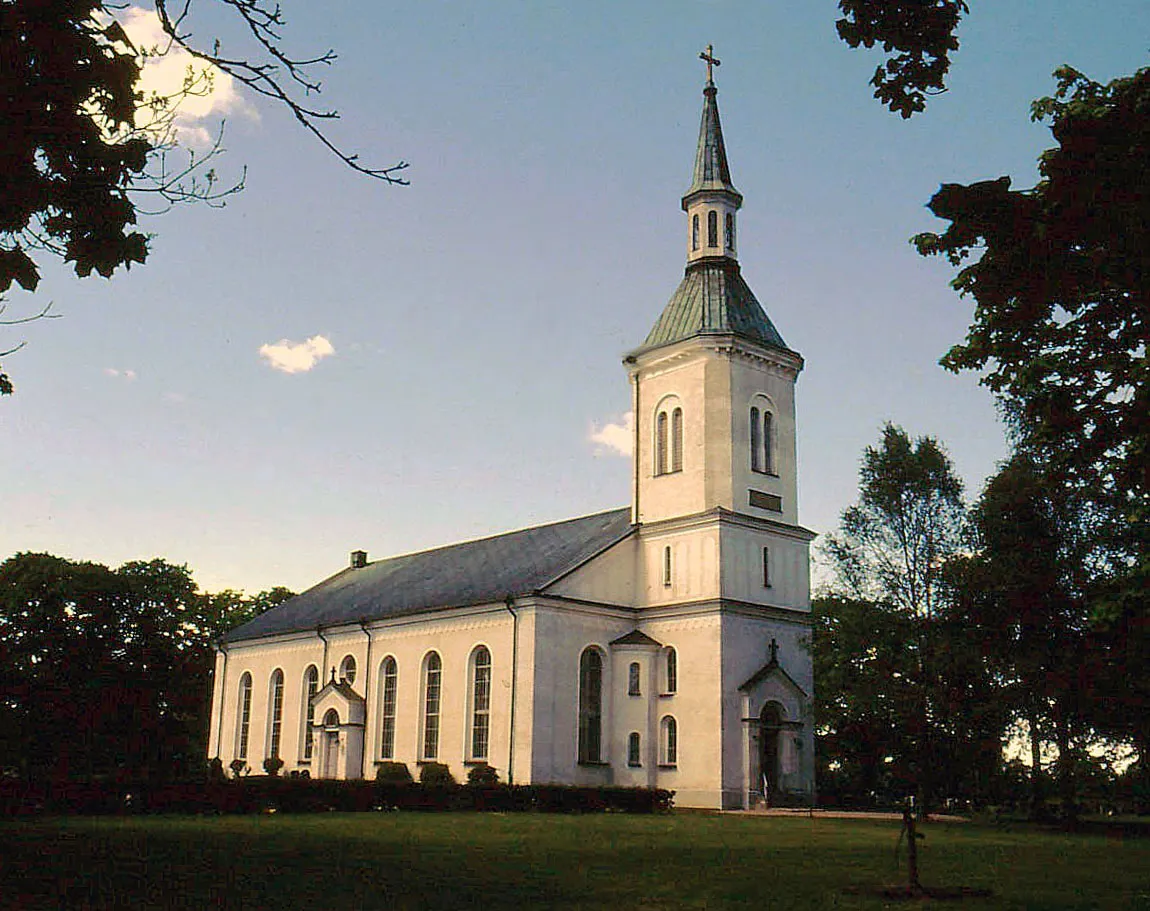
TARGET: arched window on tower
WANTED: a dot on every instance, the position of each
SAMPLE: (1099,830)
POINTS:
(388,686)
(677,440)
(480,702)
(768,442)
(667,566)
(244,716)
(661,443)
(730,232)
(712,228)
(756,442)
(591,706)
(275,713)
(634,675)
(670,671)
(432,677)
(310,688)
(695,232)
(634,750)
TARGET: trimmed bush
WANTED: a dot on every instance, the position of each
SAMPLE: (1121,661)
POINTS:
(393,773)
(435,775)
(482,774)
(258,793)
(273,764)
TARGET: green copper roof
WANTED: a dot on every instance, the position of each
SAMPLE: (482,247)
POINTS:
(713,299)
(711,169)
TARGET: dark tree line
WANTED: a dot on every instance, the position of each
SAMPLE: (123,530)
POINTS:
(920,696)
(107,672)
(946,629)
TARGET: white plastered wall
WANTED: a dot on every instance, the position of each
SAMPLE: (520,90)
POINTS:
(453,635)
(757,378)
(746,649)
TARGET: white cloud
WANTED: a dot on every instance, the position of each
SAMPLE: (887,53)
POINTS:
(165,70)
(125,374)
(296,357)
(614,438)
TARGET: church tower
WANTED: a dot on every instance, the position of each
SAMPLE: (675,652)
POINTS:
(715,493)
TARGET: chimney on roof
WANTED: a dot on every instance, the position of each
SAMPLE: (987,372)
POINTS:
(358,559)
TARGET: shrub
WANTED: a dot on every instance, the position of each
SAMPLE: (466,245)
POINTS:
(393,773)
(435,775)
(216,770)
(273,764)
(238,766)
(482,774)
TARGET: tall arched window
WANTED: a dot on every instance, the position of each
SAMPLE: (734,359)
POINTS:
(694,232)
(307,712)
(668,741)
(670,670)
(730,232)
(712,228)
(347,670)
(388,687)
(432,676)
(590,706)
(275,713)
(677,440)
(634,746)
(661,443)
(756,442)
(480,702)
(768,443)
(244,716)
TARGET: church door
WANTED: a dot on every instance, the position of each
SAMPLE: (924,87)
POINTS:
(770,724)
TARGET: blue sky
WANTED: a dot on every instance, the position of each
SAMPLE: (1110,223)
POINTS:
(477,318)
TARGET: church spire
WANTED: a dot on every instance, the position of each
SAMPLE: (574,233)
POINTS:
(712,200)
(712,173)
(713,298)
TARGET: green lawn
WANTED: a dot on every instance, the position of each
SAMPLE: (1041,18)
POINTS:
(409,860)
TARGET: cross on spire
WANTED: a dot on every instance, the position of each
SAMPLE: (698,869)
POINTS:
(708,56)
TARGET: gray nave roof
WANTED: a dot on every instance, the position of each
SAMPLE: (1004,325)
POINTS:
(473,572)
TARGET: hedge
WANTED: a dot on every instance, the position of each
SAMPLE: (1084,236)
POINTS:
(266,793)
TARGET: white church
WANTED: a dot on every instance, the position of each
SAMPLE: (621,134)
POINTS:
(661,644)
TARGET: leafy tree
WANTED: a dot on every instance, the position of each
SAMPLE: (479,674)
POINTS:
(904,687)
(83,148)
(105,671)
(1060,277)
(1062,292)
(1025,592)
(892,544)
(922,35)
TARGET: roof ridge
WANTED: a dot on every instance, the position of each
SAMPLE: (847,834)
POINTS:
(491,537)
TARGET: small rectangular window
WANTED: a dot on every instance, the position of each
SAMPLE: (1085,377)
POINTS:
(633,750)
(633,674)
(766,567)
(666,567)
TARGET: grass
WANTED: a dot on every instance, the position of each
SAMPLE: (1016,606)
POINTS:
(482,861)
